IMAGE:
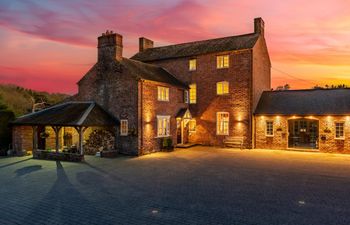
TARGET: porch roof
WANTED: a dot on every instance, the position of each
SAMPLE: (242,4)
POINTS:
(305,102)
(69,114)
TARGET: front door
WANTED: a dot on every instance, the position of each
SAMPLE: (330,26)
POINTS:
(179,131)
(303,133)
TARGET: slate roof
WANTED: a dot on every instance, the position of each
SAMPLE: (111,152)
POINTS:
(151,72)
(305,102)
(231,43)
(69,114)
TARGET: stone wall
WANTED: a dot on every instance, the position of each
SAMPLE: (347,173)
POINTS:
(280,138)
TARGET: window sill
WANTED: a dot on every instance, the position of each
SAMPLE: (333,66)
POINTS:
(222,68)
(222,134)
(340,139)
(163,100)
(123,135)
(269,135)
(163,136)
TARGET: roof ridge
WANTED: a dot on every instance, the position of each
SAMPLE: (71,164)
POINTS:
(195,42)
(310,89)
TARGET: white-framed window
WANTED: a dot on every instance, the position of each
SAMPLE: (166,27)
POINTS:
(222,88)
(222,61)
(185,96)
(222,123)
(124,127)
(193,93)
(192,125)
(163,126)
(339,130)
(192,64)
(163,93)
(269,128)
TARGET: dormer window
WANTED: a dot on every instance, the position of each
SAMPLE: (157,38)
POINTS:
(222,61)
(192,64)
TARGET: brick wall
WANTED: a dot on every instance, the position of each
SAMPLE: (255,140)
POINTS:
(116,90)
(22,138)
(280,138)
(237,102)
(151,107)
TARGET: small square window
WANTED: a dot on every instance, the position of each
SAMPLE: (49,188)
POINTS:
(222,88)
(123,127)
(269,128)
(222,61)
(163,93)
(192,64)
(339,130)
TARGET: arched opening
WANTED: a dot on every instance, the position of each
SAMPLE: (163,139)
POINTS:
(303,133)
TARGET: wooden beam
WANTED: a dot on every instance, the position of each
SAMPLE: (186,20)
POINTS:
(80,131)
(35,138)
(57,130)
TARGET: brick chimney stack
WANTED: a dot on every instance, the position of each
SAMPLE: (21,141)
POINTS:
(144,44)
(259,26)
(110,46)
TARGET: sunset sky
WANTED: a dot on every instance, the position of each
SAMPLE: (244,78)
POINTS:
(49,45)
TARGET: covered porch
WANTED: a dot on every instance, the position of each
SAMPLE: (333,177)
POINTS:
(67,131)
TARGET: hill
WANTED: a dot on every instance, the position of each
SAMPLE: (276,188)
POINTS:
(20,100)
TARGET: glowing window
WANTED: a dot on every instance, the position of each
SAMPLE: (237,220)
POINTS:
(222,88)
(193,94)
(339,130)
(185,96)
(222,61)
(222,123)
(269,128)
(163,126)
(163,93)
(123,127)
(192,64)
(192,125)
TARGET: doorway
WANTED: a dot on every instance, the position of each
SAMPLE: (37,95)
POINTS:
(303,133)
(41,139)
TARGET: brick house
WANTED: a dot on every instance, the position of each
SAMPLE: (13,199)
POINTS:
(198,92)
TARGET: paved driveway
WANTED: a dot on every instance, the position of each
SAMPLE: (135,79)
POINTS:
(193,186)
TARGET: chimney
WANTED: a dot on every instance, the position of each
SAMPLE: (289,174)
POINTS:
(110,46)
(259,26)
(144,44)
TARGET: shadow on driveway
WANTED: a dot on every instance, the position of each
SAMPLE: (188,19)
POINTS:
(64,204)
(14,163)
(27,170)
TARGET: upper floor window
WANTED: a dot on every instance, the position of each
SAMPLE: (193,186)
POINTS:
(222,123)
(163,93)
(123,127)
(269,128)
(339,130)
(193,93)
(222,88)
(222,61)
(185,96)
(163,126)
(192,64)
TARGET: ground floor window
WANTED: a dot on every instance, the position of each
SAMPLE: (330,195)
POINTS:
(222,123)
(163,126)
(269,128)
(123,127)
(192,125)
(339,130)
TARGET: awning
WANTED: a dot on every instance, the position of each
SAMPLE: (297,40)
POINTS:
(184,113)
(69,114)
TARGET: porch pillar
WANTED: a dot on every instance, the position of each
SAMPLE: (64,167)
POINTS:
(80,131)
(57,130)
(35,138)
